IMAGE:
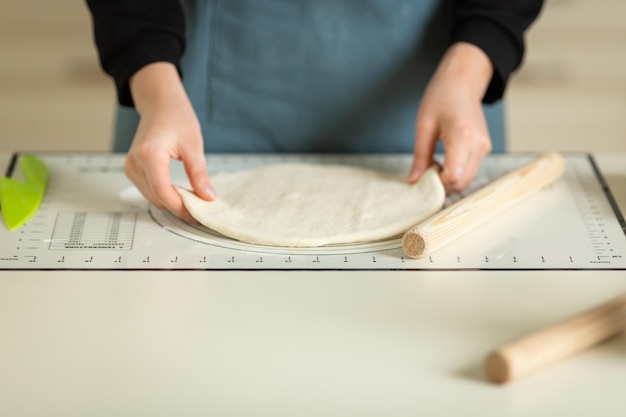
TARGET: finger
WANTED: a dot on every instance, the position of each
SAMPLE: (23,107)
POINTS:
(195,167)
(457,151)
(472,164)
(425,143)
(475,158)
(463,160)
(158,178)
(141,182)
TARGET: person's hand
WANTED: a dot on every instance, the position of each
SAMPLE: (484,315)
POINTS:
(168,128)
(451,111)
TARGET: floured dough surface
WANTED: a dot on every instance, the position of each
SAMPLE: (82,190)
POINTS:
(308,205)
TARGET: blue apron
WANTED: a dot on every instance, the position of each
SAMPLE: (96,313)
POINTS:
(311,75)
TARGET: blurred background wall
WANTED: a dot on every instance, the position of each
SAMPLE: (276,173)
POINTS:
(570,95)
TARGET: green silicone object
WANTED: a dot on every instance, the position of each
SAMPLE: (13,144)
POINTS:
(19,200)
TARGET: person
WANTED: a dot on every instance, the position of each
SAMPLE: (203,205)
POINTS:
(198,76)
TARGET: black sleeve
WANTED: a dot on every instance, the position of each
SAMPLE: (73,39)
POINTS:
(131,34)
(497,27)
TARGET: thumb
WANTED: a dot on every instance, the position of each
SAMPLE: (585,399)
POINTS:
(425,142)
(195,167)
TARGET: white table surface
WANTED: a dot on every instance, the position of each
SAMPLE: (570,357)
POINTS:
(268,343)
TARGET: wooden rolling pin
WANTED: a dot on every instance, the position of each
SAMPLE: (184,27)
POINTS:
(557,342)
(478,207)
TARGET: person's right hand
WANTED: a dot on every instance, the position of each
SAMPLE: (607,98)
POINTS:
(168,128)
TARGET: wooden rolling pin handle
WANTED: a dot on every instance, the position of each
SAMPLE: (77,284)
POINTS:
(478,207)
(546,346)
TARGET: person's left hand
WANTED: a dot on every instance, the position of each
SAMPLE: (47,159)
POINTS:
(451,111)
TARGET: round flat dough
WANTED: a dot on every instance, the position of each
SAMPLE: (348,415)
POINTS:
(308,205)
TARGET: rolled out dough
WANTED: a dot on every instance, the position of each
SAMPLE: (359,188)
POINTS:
(308,205)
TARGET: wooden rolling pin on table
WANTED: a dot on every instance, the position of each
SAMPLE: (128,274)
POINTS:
(475,209)
(543,347)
